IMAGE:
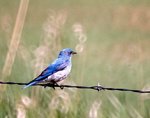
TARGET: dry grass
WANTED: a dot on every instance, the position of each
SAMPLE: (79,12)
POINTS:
(15,40)
(94,110)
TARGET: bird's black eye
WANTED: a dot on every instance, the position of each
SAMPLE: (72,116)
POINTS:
(70,52)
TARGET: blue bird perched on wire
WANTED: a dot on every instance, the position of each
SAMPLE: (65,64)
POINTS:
(56,71)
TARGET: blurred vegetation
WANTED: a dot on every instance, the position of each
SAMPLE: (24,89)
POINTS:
(113,41)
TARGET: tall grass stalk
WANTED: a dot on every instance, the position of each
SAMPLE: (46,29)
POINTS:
(15,40)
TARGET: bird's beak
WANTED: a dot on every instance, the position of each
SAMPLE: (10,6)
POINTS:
(74,52)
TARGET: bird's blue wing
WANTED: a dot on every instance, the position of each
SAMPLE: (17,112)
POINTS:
(58,65)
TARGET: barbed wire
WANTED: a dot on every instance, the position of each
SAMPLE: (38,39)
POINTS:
(98,87)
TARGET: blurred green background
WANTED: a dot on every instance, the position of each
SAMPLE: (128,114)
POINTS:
(113,43)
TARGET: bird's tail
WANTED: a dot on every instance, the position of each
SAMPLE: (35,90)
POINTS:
(30,84)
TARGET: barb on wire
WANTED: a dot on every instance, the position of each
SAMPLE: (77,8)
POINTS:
(98,87)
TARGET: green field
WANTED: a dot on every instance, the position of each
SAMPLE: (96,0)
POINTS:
(113,43)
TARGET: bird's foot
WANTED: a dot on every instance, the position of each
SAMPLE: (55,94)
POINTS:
(53,86)
(45,86)
(49,85)
(61,87)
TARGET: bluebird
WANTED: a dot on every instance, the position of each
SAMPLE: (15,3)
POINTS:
(57,71)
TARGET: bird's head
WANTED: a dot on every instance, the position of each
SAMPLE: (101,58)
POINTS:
(67,52)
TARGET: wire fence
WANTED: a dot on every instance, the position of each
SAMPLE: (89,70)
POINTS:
(98,87)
